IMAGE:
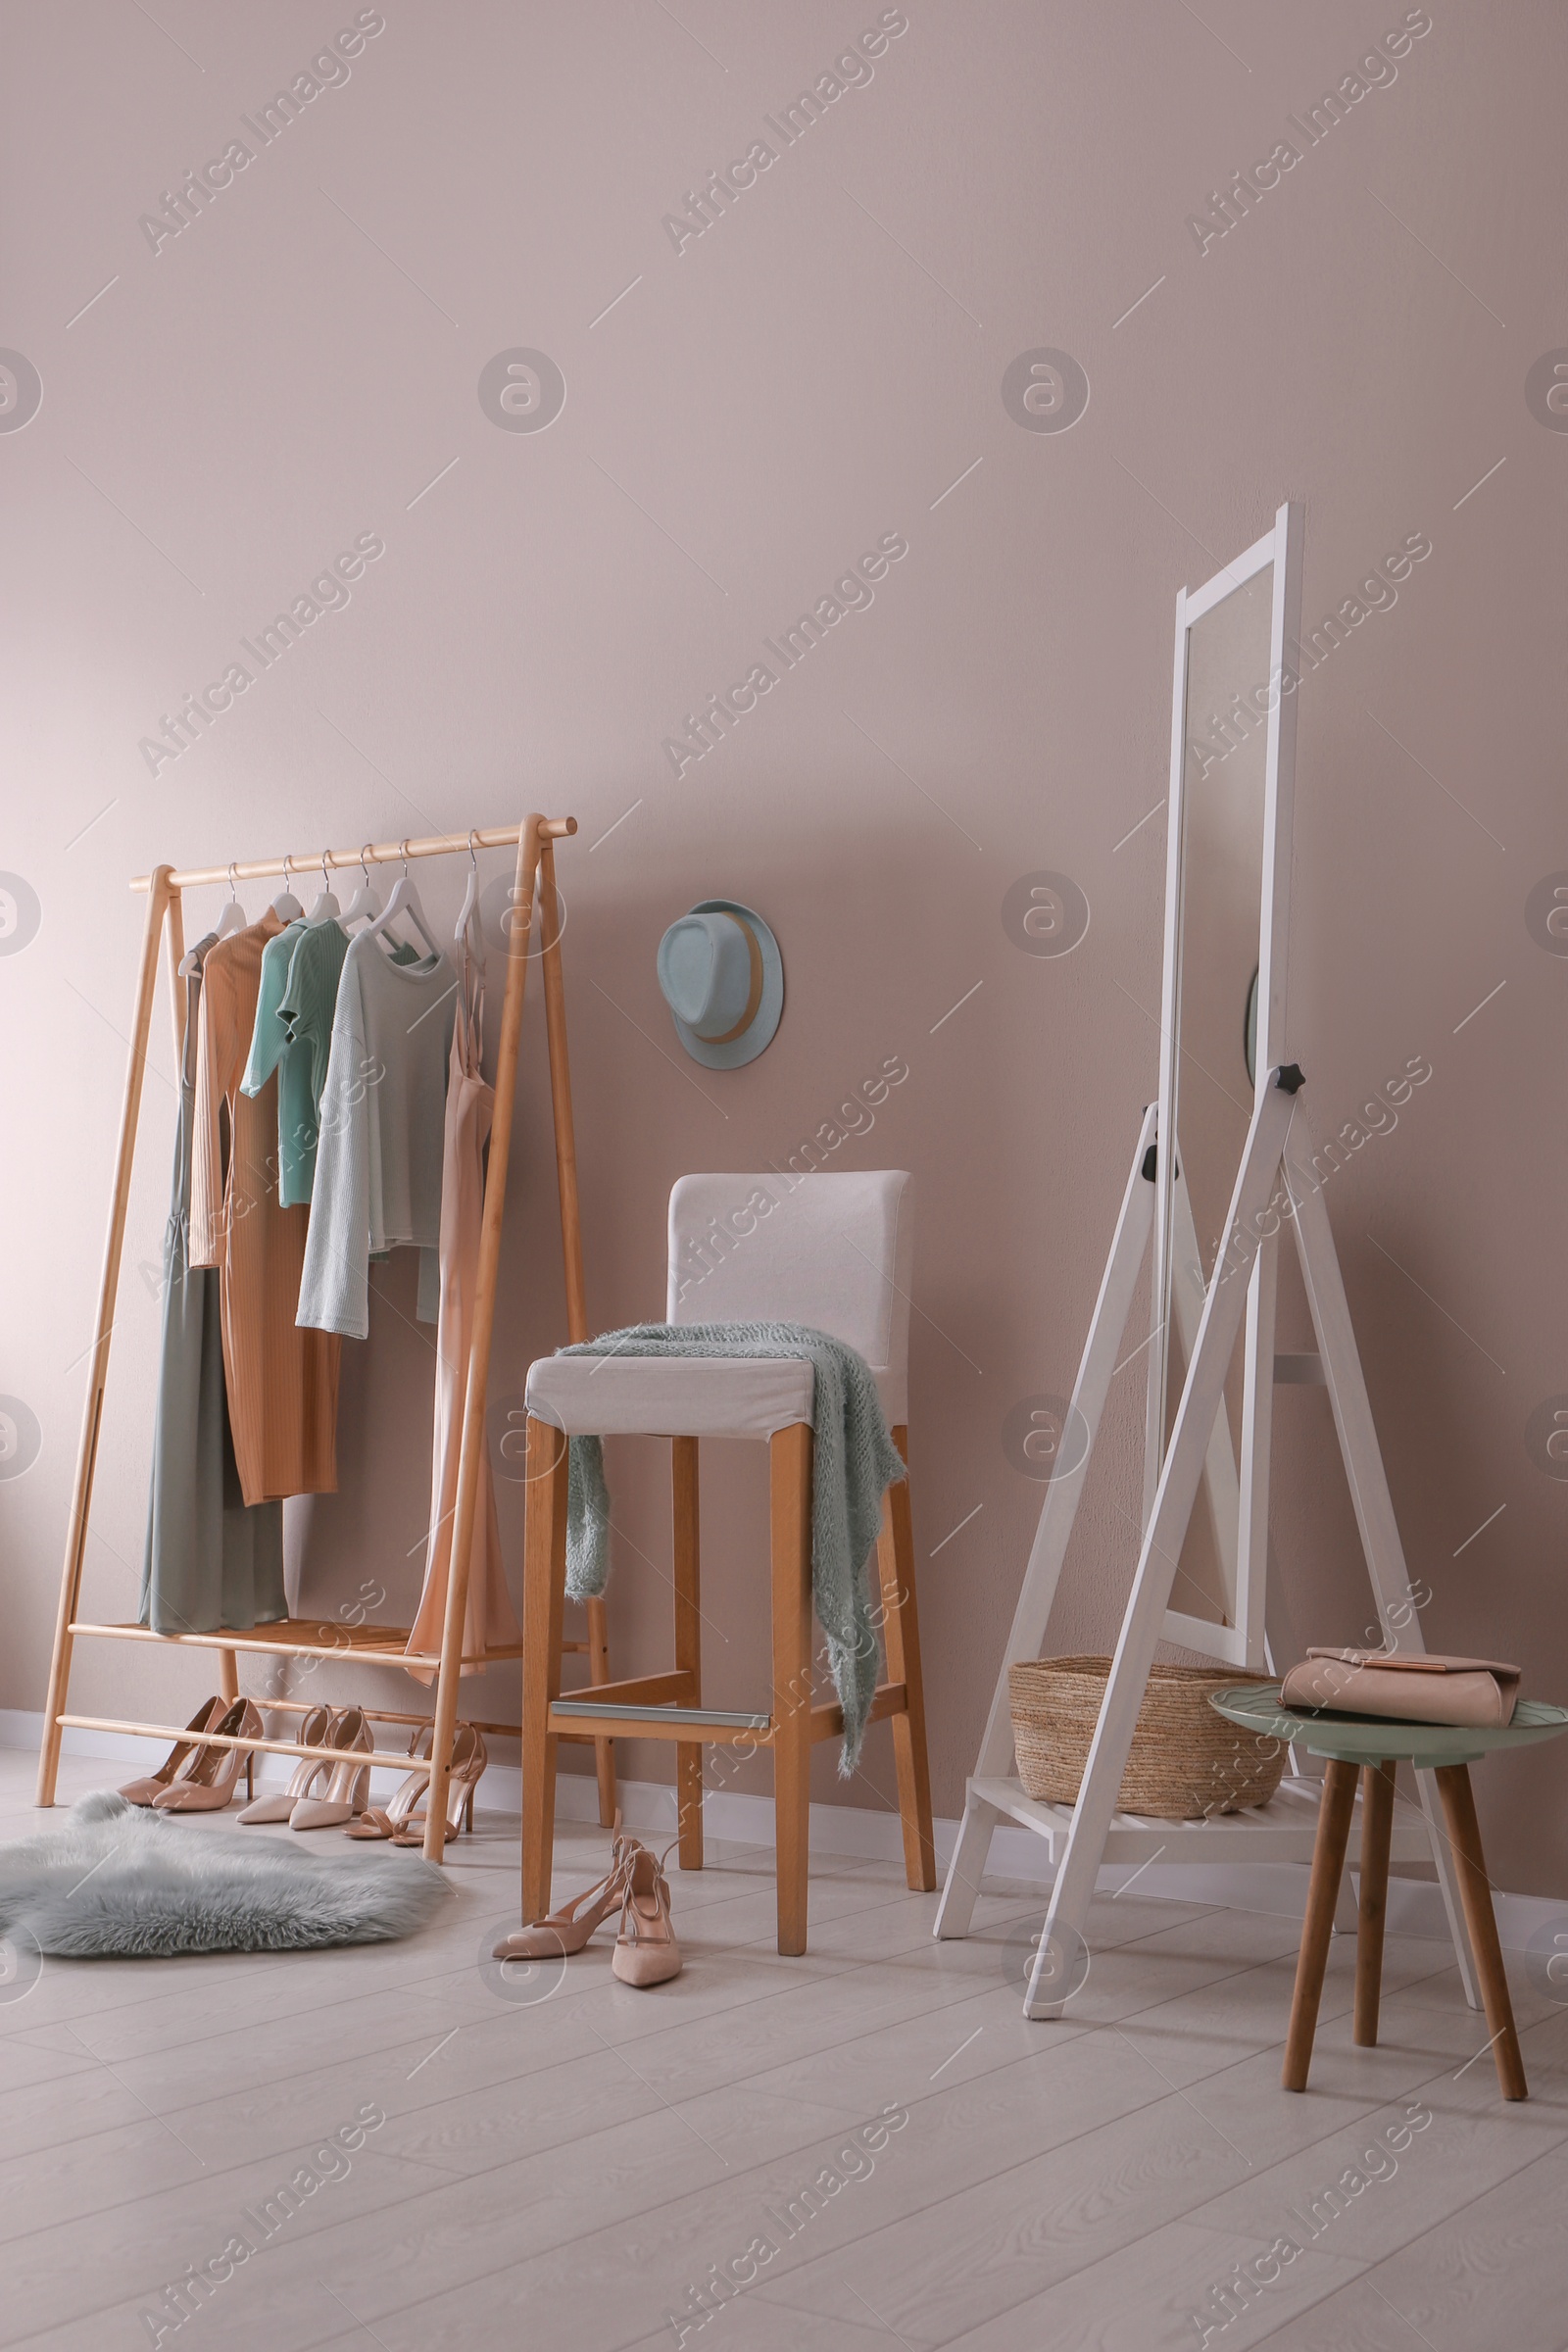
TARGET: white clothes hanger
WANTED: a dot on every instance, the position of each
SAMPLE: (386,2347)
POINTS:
(470,933)
(233,916)
(403,900)
(286,905)
(365,906)
(325,907)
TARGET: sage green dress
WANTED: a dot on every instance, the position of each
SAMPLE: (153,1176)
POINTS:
(210,1560)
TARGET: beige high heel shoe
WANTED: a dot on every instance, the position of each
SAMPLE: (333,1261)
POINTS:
(385,1821)
(209,1782)
(146,1791)
(567,1930)
(346,1791)
(646,1951)
(470,1756)
(314,1733)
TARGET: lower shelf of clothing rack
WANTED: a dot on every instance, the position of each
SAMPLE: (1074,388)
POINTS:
(315,1638)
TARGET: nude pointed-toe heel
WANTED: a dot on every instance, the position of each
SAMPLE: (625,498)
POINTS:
(345,1792)
(385,1821)
(470,1756)
(567,1930)
(646,1950)
(307,1771)
(147,1791)
(209,1781)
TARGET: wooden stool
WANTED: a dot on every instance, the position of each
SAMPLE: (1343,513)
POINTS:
(1328,1864)
(1370,1747)
(832,1254)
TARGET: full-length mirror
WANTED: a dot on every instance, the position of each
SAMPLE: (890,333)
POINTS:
(1233,709)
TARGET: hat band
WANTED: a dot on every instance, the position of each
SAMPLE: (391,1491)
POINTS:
(754,997)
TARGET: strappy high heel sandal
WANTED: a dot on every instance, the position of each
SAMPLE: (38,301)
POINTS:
(345,1792)
(470,1756)
(646,1951)
(314,1733)
(209,1782)
(567,1930)
(147,1791)
(385,1821)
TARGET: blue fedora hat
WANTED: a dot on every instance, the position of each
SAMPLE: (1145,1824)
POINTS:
(723,977)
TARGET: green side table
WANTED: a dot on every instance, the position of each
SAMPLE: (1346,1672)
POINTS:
(1369,1747)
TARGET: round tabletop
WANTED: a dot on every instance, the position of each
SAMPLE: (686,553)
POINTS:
(1376,1738)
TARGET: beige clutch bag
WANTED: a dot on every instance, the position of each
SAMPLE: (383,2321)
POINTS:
(1473,1691)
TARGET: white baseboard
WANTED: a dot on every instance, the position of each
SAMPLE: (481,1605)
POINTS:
(1017,1856)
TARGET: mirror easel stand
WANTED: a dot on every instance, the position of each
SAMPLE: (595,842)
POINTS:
(1274,1181)
(534,888)
(1227,903)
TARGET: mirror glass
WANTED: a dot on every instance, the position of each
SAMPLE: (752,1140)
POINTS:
(1225,734)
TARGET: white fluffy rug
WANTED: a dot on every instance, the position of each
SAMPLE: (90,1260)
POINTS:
(121,1879)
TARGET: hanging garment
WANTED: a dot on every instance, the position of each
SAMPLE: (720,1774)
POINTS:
(488,1616)
(377,1184)
(210,1561)
(293,1036)
(282,1382)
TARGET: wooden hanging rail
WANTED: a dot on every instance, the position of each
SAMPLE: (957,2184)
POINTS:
(534,839)
(375,852)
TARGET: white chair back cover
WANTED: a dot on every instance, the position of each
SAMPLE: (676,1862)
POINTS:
(833,1251)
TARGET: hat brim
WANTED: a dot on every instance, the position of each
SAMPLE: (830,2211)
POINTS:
(761,1030)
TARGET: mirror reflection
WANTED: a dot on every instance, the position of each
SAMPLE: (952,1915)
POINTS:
(1225,734)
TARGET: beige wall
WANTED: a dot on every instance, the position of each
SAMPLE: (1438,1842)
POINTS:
(296,366)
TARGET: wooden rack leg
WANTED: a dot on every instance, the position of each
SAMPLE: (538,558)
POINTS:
(789,1480)
(464,1511)
(686,1553)
(1328,1865)
(158,899)
(544,1586)
(571,1243)
(1377,1831)
(1475,1892)
(901,1635)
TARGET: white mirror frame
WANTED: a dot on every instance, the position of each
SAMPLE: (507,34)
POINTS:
(1241,1643)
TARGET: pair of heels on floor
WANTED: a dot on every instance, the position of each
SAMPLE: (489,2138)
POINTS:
(646,1950)
(194,1777)
(324,1796)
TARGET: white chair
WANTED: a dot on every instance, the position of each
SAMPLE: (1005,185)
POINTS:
(832,1252)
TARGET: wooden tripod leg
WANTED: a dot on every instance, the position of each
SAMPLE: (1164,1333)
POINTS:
(544,1592)
(901,1635)
(1377,1831)
(1328,1865)
(570,1242)
(1369,1490)
(157,901)
(464,1513)
(1475,1892)
(790,1481)
(687,1557)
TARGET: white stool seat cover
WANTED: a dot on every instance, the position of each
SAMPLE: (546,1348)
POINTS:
(835,1252)
(724,1396)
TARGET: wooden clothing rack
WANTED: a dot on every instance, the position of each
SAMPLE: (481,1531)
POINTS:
(536,840)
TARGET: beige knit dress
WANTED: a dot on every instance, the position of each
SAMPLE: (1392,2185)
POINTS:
(281,1380)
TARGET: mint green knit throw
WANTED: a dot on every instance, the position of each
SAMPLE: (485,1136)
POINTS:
(854,1463)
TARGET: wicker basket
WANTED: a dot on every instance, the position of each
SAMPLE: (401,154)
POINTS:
(1186,1760)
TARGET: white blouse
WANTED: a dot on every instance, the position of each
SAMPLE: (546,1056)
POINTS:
(379,1161)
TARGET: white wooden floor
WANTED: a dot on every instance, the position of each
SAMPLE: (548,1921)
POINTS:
(561,2173)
